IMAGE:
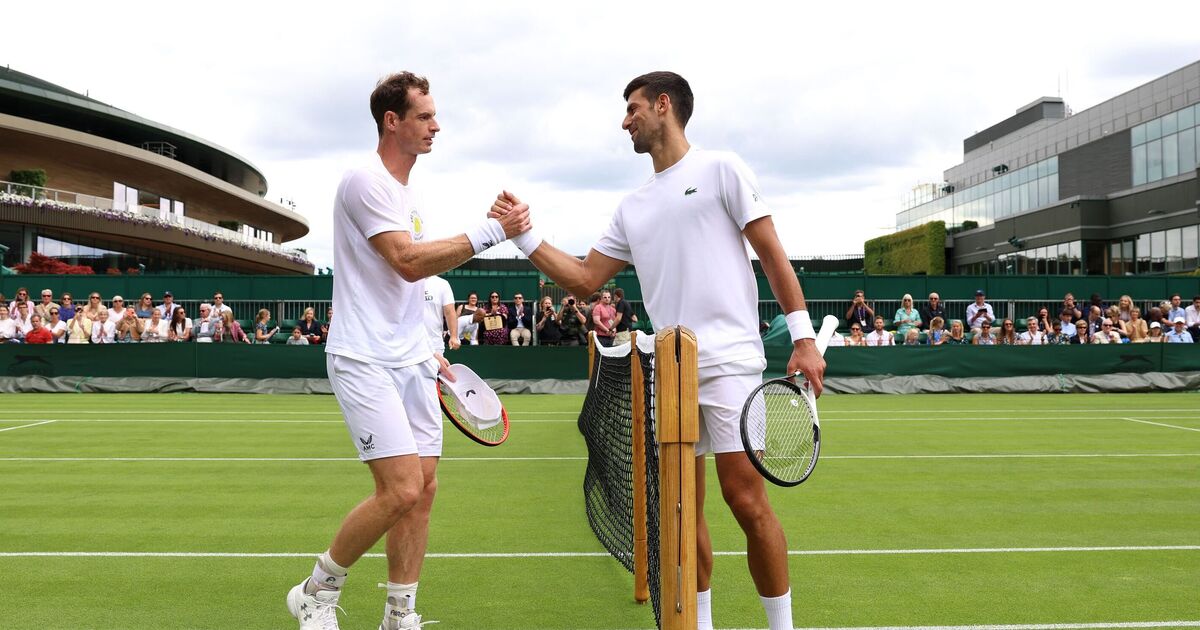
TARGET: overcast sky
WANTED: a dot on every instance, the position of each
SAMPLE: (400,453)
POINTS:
(839,109)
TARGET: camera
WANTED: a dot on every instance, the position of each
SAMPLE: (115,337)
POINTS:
(571,302)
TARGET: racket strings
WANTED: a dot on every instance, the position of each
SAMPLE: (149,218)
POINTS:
(782,432)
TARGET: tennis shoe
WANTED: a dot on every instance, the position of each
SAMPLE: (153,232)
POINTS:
(314,612)
(402,619)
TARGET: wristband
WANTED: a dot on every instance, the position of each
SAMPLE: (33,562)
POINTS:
(800,326)
(528,242)
(487,234)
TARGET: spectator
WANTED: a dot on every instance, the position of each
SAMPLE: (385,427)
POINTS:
(37,332)
(205,328)
(906,317)
(93,307)
(441,321)
(118,309)
(592,301)
(144,306)
(262,334)
(1068,304)
(1007,335)
(980,311)
(79,329)
(22,316)
(520,322)
(912,337)
(1124,308)
(327,324)
(309,326)
(297,338)
(1136,328)
(1097,302)
(232,331)
(1083,334)
(104,330)
(180,328)
(956,337)
(1094,320)
(1191,319)
(860,311)
(1057,336)
(1155,314)
(1155,333)
(879,336)
(1180,334)
(129,327)
(493,316)
(1033,336)
(855,338)
(219,307)
(1043,319)
(167,308)
(467,327)
(549,332)
(1174,310)
(156,329)
(56,326)
(937,331)
(1066,321)
(572,321)
(10,332)
(43,307)
(626,317)
(1113,314)
(66,308)
(983,336)
(933,309)
(1106,334)
(604,317)
(22,298)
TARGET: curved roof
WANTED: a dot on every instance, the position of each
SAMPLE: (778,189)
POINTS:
(27,96)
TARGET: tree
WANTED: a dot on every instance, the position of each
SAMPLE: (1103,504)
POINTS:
(40,263)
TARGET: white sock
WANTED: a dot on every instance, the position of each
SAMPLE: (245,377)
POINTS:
(704,610)
(779,611)
(404,594)
(327,575)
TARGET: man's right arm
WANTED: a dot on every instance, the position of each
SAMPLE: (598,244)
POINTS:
(414,261)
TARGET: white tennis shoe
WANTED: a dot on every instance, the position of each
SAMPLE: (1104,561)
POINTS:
(314,612)
(401,618)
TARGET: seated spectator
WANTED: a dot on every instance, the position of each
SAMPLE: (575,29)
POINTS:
(118,309)
(1106,334)
(1007,335)
(573,322)
(1083,334)
(1032,336)
(104,330)
(129,327)
(66,308)
(1155,314)
(37,332)
(167,308)
(937,332)
(604,319)
(933,309)
(43,308)
(879,336)
(1043,320)
(1066,321)
(855,338)
(1068,304)
(1173,310)
(93,308)
(906,317)
(10,332)
(155,329)
(1136,328)
(144,306)
(56,326)
(520,322)
(309,326)
(22,298)
(912,337)
(219,307)
(492,317)
(1124,309)
(979,312)
(1180,333)
(836,340)
(549,333)
(1057,336)
(79,329)
(1113,314)
(297,338)
(1097,302)
(860,311)
(468,329)
(262,334)
(1155,333)
(983,336)
(328,322)
(22,316)
(204,329)
(180,328)
(1191,319)
(956,337)
(1094,320)
(232,331)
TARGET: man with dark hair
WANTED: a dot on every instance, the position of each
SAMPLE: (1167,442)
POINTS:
(694,215)
(626,318)
(380,362)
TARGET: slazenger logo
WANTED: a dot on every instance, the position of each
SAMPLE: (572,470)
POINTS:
(368,444)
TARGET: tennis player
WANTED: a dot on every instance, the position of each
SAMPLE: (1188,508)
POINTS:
(379,357)
(687,225)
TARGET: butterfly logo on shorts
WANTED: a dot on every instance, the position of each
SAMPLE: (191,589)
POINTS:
(368,444)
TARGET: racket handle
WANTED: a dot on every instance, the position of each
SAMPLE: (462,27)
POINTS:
(828,328)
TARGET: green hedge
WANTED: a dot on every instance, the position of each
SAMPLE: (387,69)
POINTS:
(919,251)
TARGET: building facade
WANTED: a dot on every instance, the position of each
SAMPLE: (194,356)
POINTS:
(1109,190)
(123,192)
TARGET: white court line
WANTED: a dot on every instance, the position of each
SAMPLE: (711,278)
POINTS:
(857,412)
(1170,426)
(577,459)
(1033,626)
(584,554)
(24,426)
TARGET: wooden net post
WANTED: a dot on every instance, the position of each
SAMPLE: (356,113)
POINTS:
(591,357)
(641,586)
(677,417)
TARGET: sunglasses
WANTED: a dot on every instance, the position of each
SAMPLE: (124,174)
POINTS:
(94,297)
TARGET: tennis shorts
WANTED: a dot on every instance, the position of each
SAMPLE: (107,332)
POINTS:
(723,392)
(389,411)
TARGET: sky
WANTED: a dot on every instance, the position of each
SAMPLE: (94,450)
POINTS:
(840,109)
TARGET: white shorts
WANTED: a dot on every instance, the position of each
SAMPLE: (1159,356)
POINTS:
(723,392)
(389,411)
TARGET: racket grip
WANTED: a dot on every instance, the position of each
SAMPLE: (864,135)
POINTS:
(829,326)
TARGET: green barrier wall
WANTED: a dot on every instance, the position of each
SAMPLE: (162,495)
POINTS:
(190,360)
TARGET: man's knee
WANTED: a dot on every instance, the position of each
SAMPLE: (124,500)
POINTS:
(398,498)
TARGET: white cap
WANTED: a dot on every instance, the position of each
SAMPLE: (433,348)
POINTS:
(1180,320)
(1155,325)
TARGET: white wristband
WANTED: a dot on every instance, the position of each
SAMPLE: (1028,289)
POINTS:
(487,234)
(528,242)
(800,326)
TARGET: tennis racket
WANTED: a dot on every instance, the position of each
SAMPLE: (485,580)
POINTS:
(473,407)
(780,429)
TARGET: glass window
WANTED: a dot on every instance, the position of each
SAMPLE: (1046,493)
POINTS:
(1154,129)
(1117,264)
(1139,165)
(1043,191)
(1191,247)
(1154,165)
(1158,252)
(1053,164)
(1187,117)
(1076,267)
(1143,253)
(1170,124)
(1127,255)
(1170,149)
(1175,250)
(1187,150)
(1053,187)
(1039,261)
(1137,135)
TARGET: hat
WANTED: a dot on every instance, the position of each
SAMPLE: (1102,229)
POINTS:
(1180,320)
(168,294)
(979,292)
(1155,325)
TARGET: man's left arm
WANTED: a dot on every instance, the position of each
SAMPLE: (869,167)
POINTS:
(765,241)
(451,324)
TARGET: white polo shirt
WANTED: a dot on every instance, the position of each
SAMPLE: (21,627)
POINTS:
(438,295)
(380,318)
(683,232)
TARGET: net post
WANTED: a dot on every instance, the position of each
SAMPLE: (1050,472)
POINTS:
(591,355)
(676,383)
(641,585)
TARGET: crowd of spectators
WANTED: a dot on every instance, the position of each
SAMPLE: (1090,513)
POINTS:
(520,323)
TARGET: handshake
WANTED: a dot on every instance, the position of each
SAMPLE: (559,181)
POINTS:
(513,216)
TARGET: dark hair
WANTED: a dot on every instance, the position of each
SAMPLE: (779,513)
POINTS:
(674,86)
(391,95)
(619,292)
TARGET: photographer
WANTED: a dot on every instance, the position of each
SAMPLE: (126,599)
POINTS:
(572,321)
(549,333)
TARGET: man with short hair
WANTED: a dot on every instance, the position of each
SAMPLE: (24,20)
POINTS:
(378,356)
(219,308)
(1175,309)
(1032,336)
(167,308)
(879,336)
(932,309)
(520,322)
(572,320)
(1106,334)
(980,311)
(56,326)
(604,317)
(1179,334)
(1068,304)
(1066,319)
(22,316)
(43,307)
(860,311)
(37,332)
(695,215)
(1191,318)
(626,317)
(118,309)
(439,308)
(204,328)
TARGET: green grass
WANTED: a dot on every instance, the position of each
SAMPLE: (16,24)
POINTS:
(1049,480)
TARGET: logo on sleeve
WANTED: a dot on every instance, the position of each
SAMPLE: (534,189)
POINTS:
(418,227)
(755,195)
(689,191)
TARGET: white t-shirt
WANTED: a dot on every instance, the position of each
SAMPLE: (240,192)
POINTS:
(9,329)
(884,338)
(60,326)
(104,333)
(438,295)
(682,230)
(1032,338)
(155,334)
(380,317)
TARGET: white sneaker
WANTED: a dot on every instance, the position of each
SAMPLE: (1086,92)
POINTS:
(402,619)
(314,612)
